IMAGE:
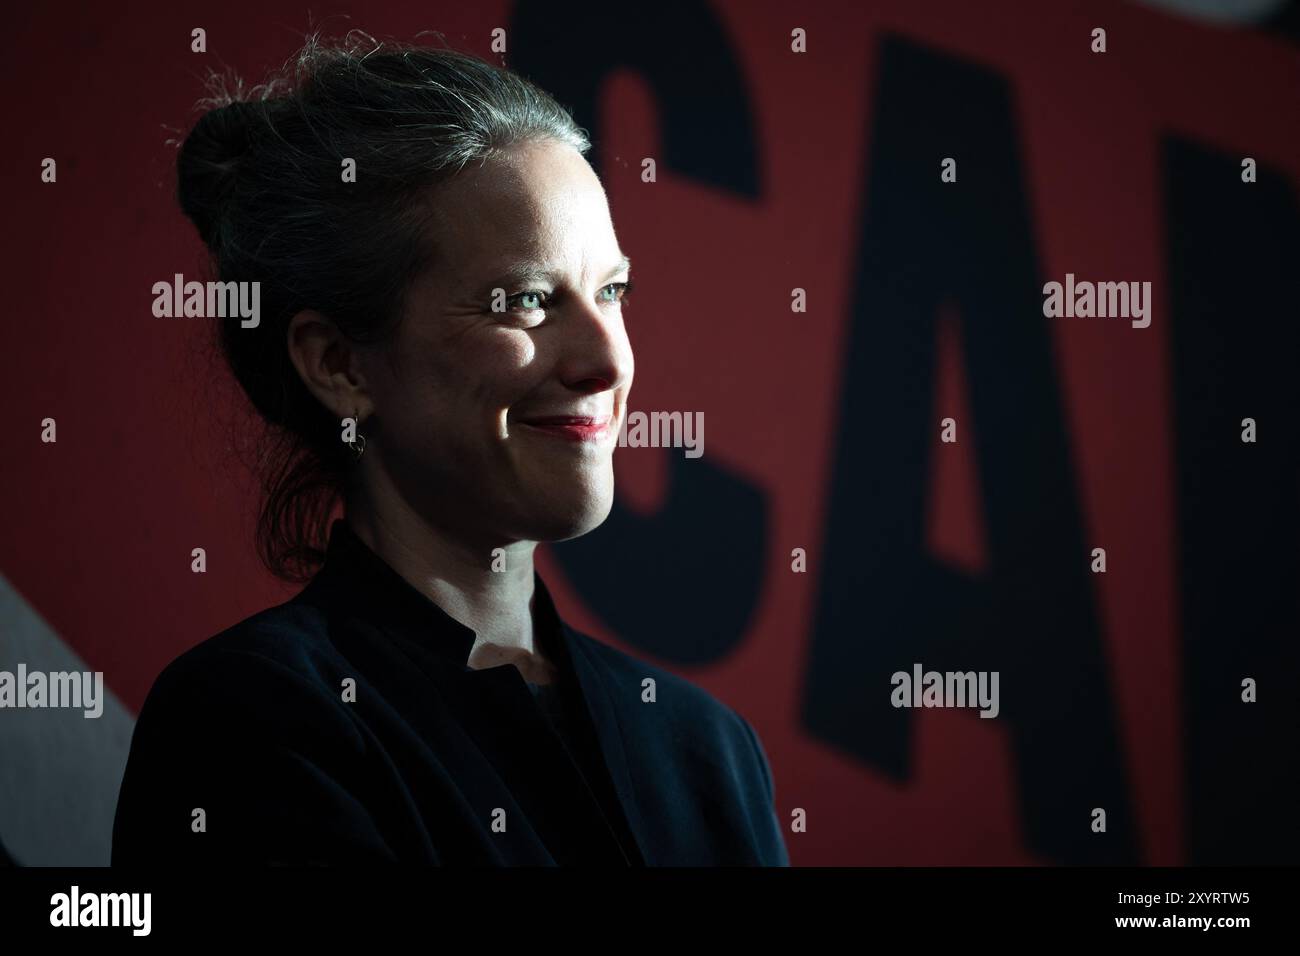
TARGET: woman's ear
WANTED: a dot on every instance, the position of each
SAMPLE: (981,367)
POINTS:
(329,364)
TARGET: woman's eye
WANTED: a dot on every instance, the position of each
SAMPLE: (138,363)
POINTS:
(536,300)
(529,301)
(620,291)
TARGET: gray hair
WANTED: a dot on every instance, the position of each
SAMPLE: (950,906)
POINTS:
(260,176)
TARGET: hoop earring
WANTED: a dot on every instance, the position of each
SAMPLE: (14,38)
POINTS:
(359,446)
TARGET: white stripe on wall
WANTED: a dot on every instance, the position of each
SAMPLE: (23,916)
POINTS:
(59,771)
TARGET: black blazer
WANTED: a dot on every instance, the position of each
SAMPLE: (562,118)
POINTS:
(432,762)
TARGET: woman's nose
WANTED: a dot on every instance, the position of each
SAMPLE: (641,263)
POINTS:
(597,355)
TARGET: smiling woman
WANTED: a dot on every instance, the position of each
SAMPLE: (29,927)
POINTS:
(442,351)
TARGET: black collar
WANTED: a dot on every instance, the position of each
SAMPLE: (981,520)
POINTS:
(355,581)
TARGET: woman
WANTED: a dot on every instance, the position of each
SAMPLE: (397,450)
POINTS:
(441,349)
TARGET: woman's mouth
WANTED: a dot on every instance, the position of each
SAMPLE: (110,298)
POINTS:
(579,428)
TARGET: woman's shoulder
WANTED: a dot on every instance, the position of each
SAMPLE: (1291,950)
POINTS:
(288,633)
(638,681)
(266,664)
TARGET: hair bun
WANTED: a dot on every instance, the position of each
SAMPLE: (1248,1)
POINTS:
(208,164)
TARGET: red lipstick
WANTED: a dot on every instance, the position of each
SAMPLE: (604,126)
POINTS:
(570,427)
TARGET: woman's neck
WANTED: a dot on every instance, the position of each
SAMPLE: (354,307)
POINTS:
(488,589)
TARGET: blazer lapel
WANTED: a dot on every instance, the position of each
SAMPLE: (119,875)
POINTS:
(596,697)
(402,627)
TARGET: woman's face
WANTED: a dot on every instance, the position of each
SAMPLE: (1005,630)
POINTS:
(501,425)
